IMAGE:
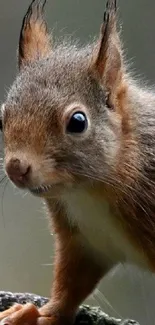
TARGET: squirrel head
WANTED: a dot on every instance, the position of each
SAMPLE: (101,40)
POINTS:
(63,116)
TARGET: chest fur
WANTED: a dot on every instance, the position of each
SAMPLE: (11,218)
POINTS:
(100,229)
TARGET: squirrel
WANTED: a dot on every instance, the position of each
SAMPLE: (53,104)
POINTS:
(79,132)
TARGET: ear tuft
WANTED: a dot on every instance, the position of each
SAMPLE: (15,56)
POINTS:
(34,41)
(108,61)
(107,29)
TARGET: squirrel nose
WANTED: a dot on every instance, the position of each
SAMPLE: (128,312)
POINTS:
(18,171)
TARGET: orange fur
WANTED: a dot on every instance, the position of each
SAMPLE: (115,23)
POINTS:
(98,185)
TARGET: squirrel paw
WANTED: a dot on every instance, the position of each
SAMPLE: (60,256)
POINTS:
(23,315)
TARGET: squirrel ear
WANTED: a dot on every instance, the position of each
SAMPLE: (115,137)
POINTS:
(108,62)
(34,41)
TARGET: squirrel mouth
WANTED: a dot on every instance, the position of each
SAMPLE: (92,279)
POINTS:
(40,189)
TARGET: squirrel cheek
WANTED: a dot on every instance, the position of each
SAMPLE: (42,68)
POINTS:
(56,176)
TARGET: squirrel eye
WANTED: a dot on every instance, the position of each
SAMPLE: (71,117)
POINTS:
(78,123)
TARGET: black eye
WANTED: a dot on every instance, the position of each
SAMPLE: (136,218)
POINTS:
(78,123)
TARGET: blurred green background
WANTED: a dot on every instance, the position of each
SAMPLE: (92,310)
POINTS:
(26,247)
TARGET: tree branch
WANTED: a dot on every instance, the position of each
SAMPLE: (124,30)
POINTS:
(85,316)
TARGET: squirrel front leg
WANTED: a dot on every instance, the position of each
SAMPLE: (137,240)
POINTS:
(75,275)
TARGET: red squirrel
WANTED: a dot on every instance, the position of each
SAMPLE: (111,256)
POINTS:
(79,132)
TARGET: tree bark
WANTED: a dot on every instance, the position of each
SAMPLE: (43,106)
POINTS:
(86,315)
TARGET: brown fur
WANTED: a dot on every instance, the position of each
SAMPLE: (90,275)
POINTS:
(72,263)
(31,48)
(110,164)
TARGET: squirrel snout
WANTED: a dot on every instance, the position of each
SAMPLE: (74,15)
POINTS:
(18,171)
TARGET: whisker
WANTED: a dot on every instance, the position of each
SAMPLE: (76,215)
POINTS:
(5,185)
(101,297)
(129,191)
(96,301)
(2,179)
(102,180)
(49,264)
(24,194)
